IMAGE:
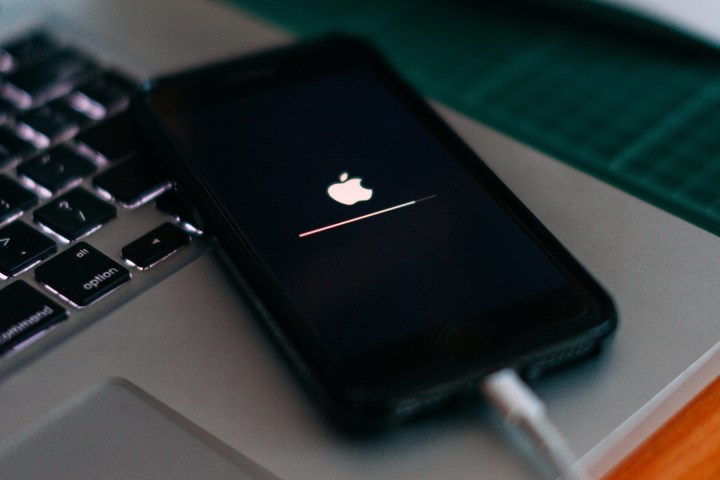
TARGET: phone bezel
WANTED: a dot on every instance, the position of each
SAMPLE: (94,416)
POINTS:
(371,389)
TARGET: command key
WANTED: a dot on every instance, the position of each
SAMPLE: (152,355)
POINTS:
(24,312)
(82,275)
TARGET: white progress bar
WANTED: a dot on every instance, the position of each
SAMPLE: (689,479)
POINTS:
(363,217)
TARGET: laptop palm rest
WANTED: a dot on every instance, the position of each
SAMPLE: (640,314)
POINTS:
(117,431)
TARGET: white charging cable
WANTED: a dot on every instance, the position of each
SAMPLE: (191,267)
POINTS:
(519,406)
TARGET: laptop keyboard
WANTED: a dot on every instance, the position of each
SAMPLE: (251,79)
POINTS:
(72,163)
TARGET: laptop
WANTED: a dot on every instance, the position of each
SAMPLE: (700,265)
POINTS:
(155,333)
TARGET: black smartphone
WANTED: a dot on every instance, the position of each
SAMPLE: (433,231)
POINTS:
(392,265)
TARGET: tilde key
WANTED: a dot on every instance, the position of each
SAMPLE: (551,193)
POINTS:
(82,275)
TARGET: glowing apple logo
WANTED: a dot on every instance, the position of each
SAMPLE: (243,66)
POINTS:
(349,191)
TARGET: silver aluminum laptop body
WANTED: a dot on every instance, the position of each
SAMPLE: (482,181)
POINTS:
(184,334)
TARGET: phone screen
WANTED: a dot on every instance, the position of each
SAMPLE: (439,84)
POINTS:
(377,233)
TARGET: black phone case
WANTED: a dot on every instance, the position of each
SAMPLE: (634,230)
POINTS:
(415,392)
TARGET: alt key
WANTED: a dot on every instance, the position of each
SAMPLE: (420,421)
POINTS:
(82,274)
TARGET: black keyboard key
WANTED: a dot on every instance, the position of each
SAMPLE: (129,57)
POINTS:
(14,199)
(82,275)
(26,51)
(6,62)
(51,78)
(46,125)
(75,214)
(57,169)
(134,181)
(62,106)
(173,204)
(21,247)
(25,312)
(103,95)
(6,110)
(156,245)
(112,139)
(12,147)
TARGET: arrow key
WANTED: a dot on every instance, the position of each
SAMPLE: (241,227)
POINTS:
(21,247)
(154,246)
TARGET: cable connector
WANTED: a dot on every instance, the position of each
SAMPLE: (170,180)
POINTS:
(519,406)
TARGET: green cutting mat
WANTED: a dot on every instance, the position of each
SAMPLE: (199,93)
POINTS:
(620,98)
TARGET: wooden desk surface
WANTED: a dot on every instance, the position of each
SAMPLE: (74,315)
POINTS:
(686,447)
